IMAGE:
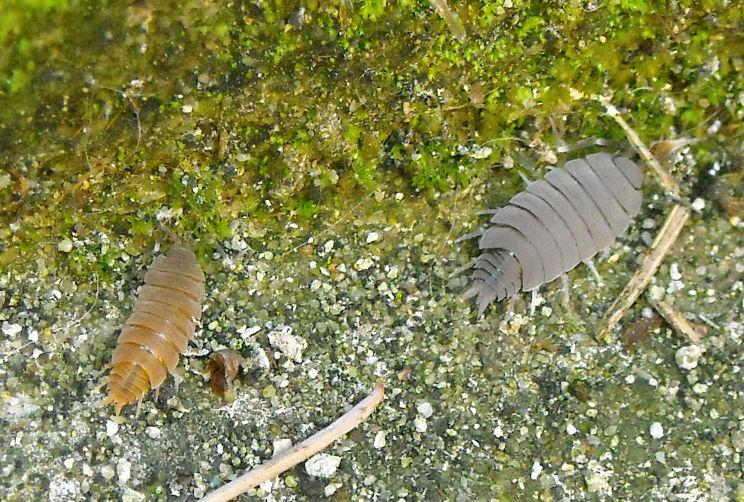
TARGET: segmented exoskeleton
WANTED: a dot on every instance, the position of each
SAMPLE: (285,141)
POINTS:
(160,327)
(567,217)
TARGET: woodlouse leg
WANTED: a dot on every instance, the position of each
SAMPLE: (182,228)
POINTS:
(533,302)
(462,269)
(565,289)
(139,407)
(177,379)
(510,307)
(590,264)
(157,393)
(102,383)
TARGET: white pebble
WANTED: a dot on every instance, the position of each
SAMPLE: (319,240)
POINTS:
(380,440)
(698,204)
(372,237)
(11,329)
(657,431)
(152,432)
(123,471)
(69,462)
(363,264)
(291,346)
(699,388)
(187,108)
(111,428)
(425,409)
(328,246)
(674,272)
(331,488)
(281,445)
(107,472)
(132,496)
(537,468)
(419,423)
(65,246)
(571,430)
(687,357)
(322,465)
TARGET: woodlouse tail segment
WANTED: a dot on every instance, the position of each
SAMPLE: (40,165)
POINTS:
(111,399)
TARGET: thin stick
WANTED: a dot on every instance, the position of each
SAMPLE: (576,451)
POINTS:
(301,452)
(453,22)
(678,321)
(666,179)
(660,247)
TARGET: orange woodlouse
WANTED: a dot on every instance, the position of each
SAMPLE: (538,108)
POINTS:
(160,327)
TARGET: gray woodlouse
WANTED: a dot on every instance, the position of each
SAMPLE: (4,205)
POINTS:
(160,327)
(567,217)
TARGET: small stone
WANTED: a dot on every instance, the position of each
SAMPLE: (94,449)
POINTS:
(674,272)
(537,469)
(111,428)
(595,482)
(687,357)
(656,430)
(68,463)
(65,246)
(380,440)
(123,471)
(656,292)
(698,204)
(322,465)
(419,423)
(372,237)
(331,488)
(291,346)
(268,391)
(481,152)
(699,388)
(87,471)
(107,472)
(152,432)
(363,264)
(290,481)
(571,430)
(281,445)
(425,409)
(187,108)
(328,246)
(130,495)
(11,329)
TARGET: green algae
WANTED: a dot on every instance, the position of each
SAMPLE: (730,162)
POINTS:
(261,124)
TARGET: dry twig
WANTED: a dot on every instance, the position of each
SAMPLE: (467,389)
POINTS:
(301,452)
(660,247)
(666,179)
(453,22)
(664,240)
(678,321)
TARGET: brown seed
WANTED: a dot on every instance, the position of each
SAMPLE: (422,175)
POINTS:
(223,367)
